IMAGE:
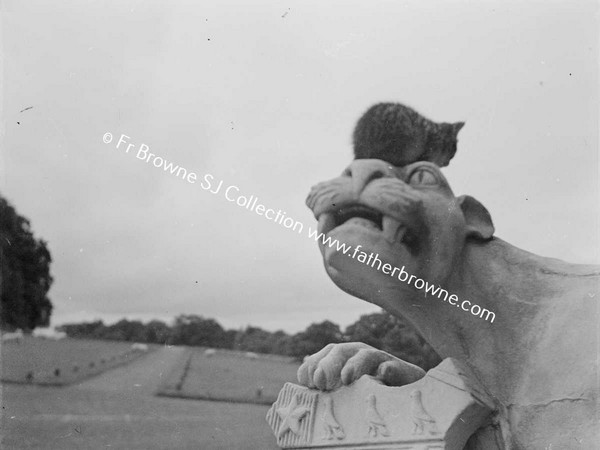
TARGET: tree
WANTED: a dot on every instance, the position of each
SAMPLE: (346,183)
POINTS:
(281,342)
(84,330)
(371,329)
(393,335)
(253,339)
(157,332)
(198,331)
(314,338)
(126,330)
(25,273)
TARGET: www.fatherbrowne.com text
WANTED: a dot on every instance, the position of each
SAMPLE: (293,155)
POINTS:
(373,261)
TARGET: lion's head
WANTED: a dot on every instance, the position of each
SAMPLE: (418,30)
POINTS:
(408,216)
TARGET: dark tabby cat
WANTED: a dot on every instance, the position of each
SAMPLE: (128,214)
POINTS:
(399,135)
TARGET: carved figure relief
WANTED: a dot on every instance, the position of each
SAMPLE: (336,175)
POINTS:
(332,427)
(291,416)
(421,418)
(376,423)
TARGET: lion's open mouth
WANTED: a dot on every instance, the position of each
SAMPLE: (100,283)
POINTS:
(392,229)
(359,211)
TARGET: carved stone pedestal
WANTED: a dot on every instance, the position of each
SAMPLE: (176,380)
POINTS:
(440,411)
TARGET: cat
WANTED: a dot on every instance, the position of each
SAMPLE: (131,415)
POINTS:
(399,135)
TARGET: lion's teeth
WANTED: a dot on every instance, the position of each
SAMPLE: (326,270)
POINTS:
(326,223)
(390,228)
(400,234)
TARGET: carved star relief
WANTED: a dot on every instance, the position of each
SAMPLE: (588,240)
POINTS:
(291,415)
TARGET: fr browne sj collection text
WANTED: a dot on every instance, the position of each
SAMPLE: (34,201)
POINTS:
(232,194)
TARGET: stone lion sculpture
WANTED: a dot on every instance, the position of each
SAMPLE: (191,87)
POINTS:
(537,357)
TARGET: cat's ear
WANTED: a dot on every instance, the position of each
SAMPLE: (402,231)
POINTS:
(456,127)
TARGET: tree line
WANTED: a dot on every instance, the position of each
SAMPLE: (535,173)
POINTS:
(381,330)
(24,304)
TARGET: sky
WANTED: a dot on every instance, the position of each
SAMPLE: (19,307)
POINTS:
(264,96)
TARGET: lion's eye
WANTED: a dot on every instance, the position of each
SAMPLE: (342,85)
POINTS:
(422,177)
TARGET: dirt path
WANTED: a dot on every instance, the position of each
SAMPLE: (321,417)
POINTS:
(139,377)
(118,409)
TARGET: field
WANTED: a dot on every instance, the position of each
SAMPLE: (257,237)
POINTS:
(229,376)
(120,408)
(50,362)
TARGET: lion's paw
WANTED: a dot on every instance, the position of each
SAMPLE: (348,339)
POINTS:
(342,364)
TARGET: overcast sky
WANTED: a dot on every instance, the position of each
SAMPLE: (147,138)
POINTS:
(265,97)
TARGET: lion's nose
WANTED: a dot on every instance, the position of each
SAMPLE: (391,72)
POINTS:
(363,171)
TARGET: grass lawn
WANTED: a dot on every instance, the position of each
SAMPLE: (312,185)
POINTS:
(50,362)
(229,376)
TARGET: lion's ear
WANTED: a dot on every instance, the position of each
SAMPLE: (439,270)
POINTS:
(479,221)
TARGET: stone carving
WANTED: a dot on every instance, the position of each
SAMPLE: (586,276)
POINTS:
(419,416)
(292,416)
(373,415)
(332,428)
(532,341)
(375,421)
